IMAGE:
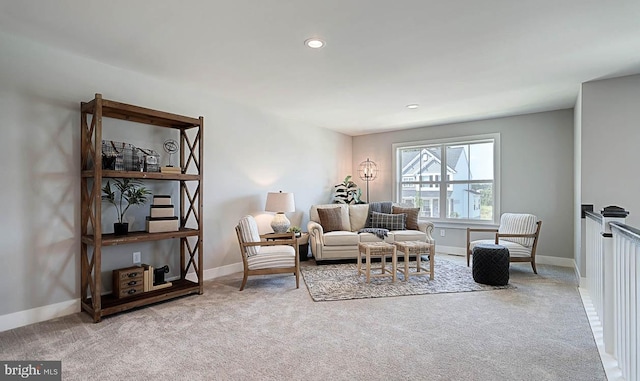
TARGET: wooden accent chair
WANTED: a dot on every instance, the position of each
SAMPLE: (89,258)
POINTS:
(278,255)
(517,232)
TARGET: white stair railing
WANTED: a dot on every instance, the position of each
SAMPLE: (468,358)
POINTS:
(626,249)
(613,286)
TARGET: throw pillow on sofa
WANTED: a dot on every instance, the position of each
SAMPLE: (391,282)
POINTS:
(388,221)
(412,216)
(330,219)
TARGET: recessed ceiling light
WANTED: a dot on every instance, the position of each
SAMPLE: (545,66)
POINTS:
(413,106)
(314,43)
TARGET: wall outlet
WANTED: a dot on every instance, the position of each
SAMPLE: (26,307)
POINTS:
(136,257)
(442,232)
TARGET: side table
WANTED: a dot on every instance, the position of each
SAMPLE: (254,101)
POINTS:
(303,244)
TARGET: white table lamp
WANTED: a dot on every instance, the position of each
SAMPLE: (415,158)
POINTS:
(280,203)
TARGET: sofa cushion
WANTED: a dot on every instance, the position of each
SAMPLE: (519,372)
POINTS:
(412,216)
(380,207)
(388,221)
(330,219)
(344,210)
(341,238)
(370,237)
(358,215)
(408,235)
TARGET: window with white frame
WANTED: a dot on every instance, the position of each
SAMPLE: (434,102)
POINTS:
(451,180)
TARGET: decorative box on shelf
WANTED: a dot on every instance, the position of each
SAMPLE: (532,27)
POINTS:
(162,224)
(128,281)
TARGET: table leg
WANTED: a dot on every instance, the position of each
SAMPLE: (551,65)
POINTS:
(394,265)
(368,265)
(432,259)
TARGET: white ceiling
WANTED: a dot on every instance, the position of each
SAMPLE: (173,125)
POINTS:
(459,59)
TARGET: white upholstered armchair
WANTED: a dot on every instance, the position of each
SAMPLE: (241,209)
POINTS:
(517,232)
(278,255)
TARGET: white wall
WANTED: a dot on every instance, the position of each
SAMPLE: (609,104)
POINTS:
(610,137)
(536,173)
(247,153)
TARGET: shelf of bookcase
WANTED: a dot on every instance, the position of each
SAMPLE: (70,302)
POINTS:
(108,173)
(140,236)
(112,305)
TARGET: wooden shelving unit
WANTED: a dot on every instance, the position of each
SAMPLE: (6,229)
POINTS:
(191,150)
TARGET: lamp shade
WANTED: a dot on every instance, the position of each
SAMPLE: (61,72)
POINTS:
(280,202)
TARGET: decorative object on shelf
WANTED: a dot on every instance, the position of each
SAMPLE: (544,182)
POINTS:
(162,216)
(347,192)
(280,203)
(129,191)
(296,230)
(148,160)
(170,146)
(158,275)
(128,281)
(117,156)
(368,171)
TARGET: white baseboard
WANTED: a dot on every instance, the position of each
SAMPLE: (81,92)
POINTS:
(541,259)
(217,272)
(451,250)
(52,311)
(36,315)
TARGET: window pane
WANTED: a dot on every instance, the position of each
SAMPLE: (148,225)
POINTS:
(481,159)
(485,200)
(423,199)
(458,162)
(470,201)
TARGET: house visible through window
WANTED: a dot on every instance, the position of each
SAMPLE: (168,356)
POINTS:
(450,180)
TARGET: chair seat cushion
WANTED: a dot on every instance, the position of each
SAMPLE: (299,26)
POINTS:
(272,257)
(515,250)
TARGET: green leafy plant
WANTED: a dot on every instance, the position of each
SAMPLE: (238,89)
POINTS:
(125,192)
(294,229)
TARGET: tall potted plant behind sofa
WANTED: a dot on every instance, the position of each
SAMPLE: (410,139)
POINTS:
(129,192)
(347,192)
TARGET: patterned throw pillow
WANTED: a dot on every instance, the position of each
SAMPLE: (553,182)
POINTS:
(412,216)
(388,221)
(330,219)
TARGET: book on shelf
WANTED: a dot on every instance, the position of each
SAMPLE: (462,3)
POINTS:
(162,224)
(168,169)
(146,276)
(161,199)
(162,211)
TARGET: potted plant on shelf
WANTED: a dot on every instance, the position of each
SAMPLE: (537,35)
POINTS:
(126,192)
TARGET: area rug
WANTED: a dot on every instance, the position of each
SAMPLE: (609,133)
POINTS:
(341,282)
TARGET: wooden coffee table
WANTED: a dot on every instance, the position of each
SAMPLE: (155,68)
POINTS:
(377,249)
(417,248)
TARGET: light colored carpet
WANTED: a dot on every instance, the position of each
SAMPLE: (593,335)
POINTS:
(341,281)
(273,331)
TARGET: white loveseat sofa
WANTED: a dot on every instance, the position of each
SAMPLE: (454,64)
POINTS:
(343,243)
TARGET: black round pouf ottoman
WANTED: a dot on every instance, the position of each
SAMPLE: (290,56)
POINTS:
(491,264)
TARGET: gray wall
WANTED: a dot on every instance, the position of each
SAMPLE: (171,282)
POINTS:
(536,172)
(607,137)
(610,137)
(247,154)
